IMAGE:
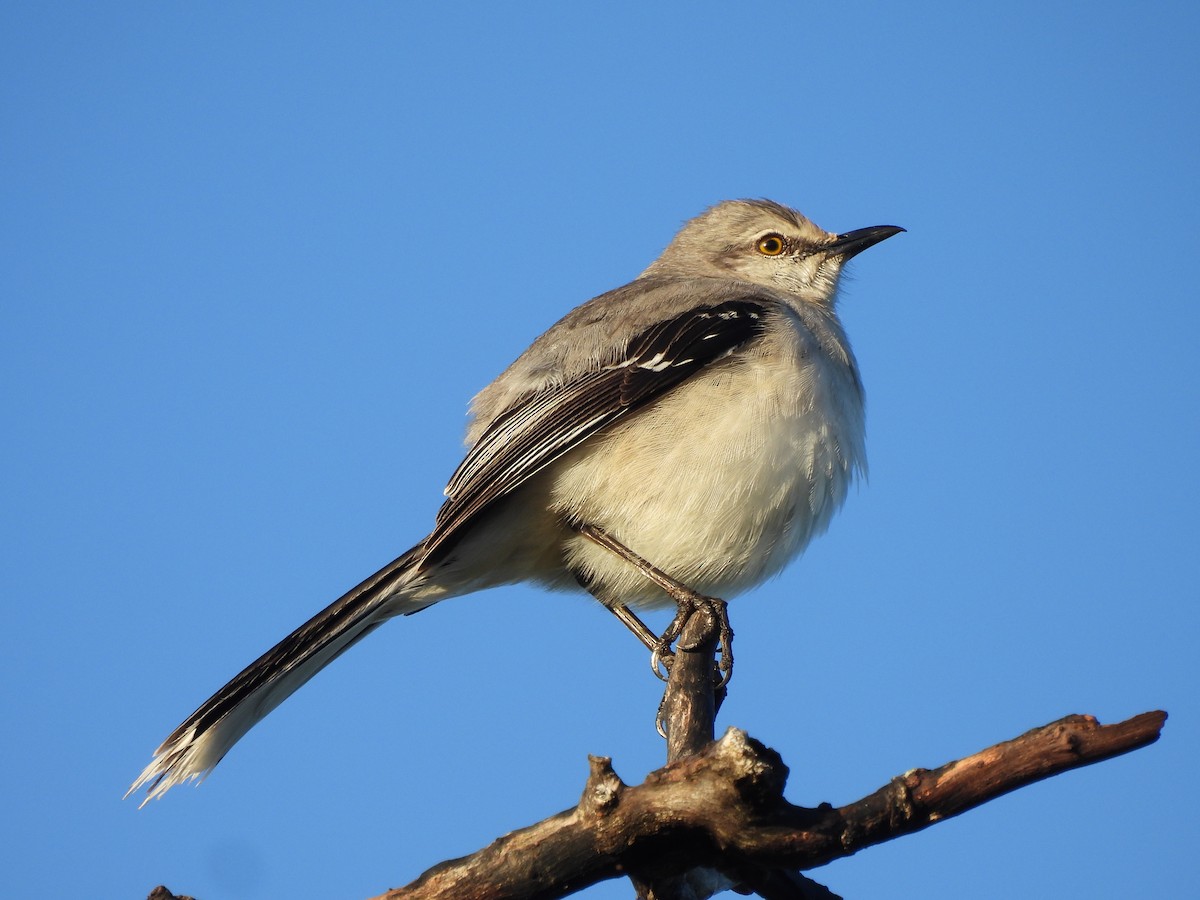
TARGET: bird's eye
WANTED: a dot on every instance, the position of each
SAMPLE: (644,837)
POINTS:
(771,245)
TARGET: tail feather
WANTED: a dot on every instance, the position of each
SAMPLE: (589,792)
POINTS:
(196,746)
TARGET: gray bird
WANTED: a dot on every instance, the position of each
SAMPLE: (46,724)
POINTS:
(677,439)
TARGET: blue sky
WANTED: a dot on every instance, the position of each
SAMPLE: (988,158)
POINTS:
(258,257)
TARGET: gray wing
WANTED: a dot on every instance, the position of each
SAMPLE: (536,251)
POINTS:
(543,425)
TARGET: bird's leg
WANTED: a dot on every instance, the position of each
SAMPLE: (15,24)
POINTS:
(630,620)
(686,600)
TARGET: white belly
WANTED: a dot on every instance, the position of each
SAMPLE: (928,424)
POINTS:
(723,483)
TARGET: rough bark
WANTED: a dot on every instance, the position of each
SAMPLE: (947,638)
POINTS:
(715,816)
(724,807)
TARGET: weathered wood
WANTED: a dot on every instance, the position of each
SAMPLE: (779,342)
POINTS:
(687,717)
(689,707)
(724,807)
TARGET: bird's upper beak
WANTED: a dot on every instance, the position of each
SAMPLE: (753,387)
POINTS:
(855,242)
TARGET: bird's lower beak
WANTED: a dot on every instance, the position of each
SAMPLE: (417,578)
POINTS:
(855,242)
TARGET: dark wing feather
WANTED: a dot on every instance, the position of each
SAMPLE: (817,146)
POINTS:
(544,425)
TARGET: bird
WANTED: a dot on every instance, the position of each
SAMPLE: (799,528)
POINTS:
(678,439)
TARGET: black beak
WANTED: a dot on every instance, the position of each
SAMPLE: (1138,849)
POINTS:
(855,242)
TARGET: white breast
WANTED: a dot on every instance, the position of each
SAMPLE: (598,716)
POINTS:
(726,479)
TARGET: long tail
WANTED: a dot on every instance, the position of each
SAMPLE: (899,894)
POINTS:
(205,737)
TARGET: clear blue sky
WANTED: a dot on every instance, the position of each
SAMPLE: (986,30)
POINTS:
(256,258)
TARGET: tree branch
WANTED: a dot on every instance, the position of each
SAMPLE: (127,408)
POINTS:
(724,807)
(689,705)
(715,816)
(687,715)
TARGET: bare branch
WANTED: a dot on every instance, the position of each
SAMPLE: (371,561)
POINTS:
(687,718)
(688,705)
(724,808)
(922,797)
(163,893)
(687,712)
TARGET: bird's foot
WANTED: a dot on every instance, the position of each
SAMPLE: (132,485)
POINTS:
(689,602)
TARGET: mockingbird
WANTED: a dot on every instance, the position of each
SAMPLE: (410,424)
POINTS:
(683,436)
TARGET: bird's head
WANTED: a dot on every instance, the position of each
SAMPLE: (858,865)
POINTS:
(766,243)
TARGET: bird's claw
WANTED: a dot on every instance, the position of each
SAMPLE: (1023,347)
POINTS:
(662,656)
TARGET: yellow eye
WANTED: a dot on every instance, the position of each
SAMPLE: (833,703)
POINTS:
(771,245)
